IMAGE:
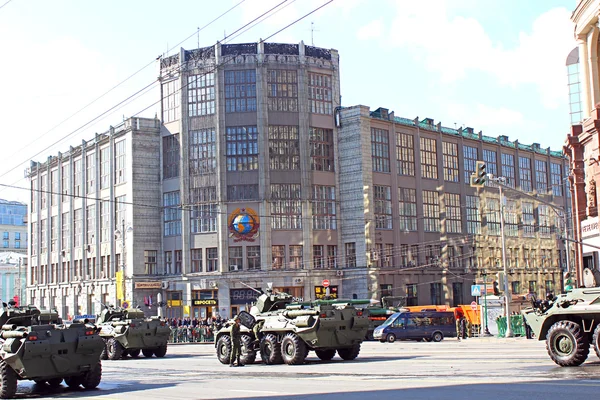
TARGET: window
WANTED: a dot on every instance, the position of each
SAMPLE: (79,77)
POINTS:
(236,258)
(332,257)
(515,287)
(380,150)
(5,244)
(453,213)
(525,174)
(450,155)
(319,93)
(120,217)
(493,217)
(240,91)
(242,148)
(318,257)
(253,257)
(90,175)
(201,94)
(120,151)
(202,151)
(104,168)
(428,159)
(66,223)
(54,187)
(412,298)
(17,235)
(204,209)
(282,89)
(511,219)
(278,256)
(457,294)
(168,262)
(323,207)
(556,179)
(172,213)
(491,164)
(77,178)
(296,260)
(104,220)
(286,206)
(549,286)
(544,220)
(91,224)
(77,227)
(436,292)
(473,215)
(44,191)
(150,261)
(242,192)
(171,101)
(407,201)
(405,154)
(34,195)
(533,287)
(321,149)
(528,219)
(469,161)
(284,148)
(171,148)
(431,211)
(212,259)
(575,93)
(383,207)
(508,169)
(350,255)
(541,176)
(196,258)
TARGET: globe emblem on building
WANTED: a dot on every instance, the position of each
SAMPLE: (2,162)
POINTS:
(243,224)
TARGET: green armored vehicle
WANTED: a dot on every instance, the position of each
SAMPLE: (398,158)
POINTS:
(33,349)
(568,323)
(284,332)
(129,332)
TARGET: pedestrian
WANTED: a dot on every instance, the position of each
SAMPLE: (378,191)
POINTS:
(235,343)
(457,317)
(463,327)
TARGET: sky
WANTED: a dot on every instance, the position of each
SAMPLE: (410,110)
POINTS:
(72,68)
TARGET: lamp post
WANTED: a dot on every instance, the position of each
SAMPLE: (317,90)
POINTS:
(486,330)
(123,233)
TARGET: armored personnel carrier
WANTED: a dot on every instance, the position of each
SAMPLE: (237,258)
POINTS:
(568,323)
(128,332)
(283,332)
(32,349)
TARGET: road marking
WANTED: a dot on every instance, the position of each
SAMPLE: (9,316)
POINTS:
(256,391)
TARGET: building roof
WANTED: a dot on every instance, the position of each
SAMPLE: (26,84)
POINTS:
(12,202)
(12,258)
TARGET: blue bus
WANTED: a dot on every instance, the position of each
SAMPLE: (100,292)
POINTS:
(424,325)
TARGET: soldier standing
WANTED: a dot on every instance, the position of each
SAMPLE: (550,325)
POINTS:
(235,343)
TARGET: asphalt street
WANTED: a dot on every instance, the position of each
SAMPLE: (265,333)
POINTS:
(478,368)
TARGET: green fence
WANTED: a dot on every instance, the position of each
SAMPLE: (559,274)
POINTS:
(516,324)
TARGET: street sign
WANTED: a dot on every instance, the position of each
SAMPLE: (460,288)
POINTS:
(474,306)
(125,304)
(325,283)
(475,290)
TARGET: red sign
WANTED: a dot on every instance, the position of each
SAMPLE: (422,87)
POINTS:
(16,300)
(325,283)
(474,306)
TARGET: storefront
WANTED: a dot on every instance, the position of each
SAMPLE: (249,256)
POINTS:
(321,292)
(174,305)
(204,308)
(296,291)
(242,299)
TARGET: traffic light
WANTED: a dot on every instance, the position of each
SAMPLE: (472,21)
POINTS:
(479,178)
(496,289)
(568,282)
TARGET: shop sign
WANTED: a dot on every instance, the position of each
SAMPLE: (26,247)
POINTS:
(205,302)
(321,292)
(589,227)
(174,303)
(243,296)
(148,285)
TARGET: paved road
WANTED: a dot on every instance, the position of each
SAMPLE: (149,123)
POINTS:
(480,368)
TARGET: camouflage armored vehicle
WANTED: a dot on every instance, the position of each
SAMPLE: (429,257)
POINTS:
(128,332)
(283,332)
(569,323)
(46,353)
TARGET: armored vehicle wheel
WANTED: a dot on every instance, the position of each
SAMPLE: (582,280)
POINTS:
(270,351)
(293,349)
(391,338)
(248,352)
(437,337)
(325,355)
(224,349)
(595,340)
(91,379)
(104,354)
(349,353)
(73,381)
(55,382)
(134,353)
(567,344)
(160,351)
(147,352)
(114,349)
(8,381)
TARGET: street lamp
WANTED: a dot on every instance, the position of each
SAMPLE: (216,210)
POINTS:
(122,233)
(485,310)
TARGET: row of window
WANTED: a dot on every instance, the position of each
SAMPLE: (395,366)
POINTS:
(78,270)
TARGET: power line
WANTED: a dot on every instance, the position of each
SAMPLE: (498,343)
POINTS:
(5,3)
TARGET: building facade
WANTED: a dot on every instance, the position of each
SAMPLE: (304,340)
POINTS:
(13,226)
(13,268)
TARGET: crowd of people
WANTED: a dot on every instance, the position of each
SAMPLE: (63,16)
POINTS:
(189,330)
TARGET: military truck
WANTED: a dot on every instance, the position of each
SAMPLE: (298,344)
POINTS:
(283,332)
(32,349)
(126,331)
(569,323)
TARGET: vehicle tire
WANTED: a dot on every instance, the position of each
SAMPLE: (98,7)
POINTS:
(73,381)
(147,353)
(91,379)
(114,349)
(325,355)
(349,353)
(160,351)
(224,349)
(270,350)
(567,344)
(248,353)
(104,354)
(8,381)
(595,340)
(437,336)
(134,353)
(54,382)
(293,349)
(391,338)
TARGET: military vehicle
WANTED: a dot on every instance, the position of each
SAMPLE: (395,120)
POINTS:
(569,323)
(126,331)
(283,332)
(32,349)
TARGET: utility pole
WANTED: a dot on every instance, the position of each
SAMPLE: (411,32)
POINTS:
(507,295)
(123,287)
